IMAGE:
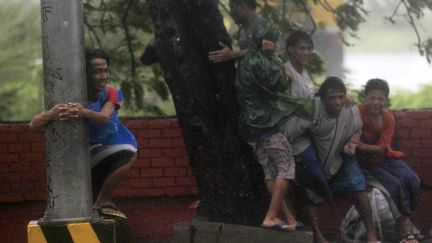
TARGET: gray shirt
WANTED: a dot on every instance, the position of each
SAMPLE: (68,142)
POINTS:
(328,134)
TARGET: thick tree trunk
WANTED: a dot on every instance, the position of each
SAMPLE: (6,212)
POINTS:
(229,179)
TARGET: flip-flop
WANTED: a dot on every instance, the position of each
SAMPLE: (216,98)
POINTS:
(408,237)
(300,226)
(109,210)
(279,226)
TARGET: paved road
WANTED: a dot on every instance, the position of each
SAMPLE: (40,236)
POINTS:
(403,70)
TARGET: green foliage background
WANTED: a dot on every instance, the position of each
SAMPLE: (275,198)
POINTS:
(124,36)
(406,99)
(20,60)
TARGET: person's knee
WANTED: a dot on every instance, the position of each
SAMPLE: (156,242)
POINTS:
(281,180)
(131,161)
(280,184)
(413,179)
(124,169)
(269,185)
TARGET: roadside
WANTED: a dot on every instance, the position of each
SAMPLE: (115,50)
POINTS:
(150,219)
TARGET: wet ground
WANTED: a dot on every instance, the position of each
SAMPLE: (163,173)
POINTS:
(150,219)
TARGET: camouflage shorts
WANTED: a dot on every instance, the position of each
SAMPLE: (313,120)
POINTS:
(275,156)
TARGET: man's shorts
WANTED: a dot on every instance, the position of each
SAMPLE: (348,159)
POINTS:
(107,166)
(275,156)
(349,177)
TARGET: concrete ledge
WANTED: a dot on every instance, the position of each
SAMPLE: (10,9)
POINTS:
(209,232)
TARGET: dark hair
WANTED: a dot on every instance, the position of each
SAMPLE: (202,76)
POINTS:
(91,53)
(331,82)
(377,84)
(297,36)
(250,3)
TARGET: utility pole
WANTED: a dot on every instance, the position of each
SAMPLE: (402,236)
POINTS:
(67,156)
(69,216)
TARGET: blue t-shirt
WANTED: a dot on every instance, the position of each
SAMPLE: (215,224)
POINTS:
(113,132)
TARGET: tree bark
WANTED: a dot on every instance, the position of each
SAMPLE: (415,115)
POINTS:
(229,179)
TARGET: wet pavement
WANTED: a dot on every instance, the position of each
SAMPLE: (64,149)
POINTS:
(151,220)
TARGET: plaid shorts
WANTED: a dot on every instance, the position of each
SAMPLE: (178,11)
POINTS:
(274,153)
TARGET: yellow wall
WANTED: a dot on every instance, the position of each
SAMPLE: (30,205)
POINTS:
(322,16)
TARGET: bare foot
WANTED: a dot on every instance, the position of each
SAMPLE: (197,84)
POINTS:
(268,221)
(404,230)
(276,224)
(296,225)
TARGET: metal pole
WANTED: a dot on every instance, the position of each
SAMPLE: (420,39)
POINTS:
(67,156)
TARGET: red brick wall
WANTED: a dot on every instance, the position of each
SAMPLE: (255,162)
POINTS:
(161,168)
(414,138)
(162,164)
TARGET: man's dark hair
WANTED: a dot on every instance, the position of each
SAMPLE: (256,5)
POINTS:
(331,83)
(250,3)
(91,53)
(377,84)
(297,36)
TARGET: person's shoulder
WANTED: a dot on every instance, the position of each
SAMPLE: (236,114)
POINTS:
(319,110)
(361,107)
(356,116)
(319,106)
(388,116)
(354,110)
(111,88)
(288,64)
(114,96)
(356,107)
(112,92)
(386,112)
(362,110)
(264,22)
(260,24)
(266,28)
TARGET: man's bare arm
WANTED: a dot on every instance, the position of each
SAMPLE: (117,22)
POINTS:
(41,120)
(225,54)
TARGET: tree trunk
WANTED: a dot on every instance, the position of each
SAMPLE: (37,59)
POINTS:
(229,179)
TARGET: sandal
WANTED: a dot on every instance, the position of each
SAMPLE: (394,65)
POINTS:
(408,237)
(110,210)
(280,226)
(299,226)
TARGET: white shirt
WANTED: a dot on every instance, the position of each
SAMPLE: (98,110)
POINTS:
(301,84)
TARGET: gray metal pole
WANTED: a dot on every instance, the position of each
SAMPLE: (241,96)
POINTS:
(67,156)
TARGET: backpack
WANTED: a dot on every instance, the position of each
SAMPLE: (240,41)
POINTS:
(353,230)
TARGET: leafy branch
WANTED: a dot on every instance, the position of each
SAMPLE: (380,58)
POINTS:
(414,11)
